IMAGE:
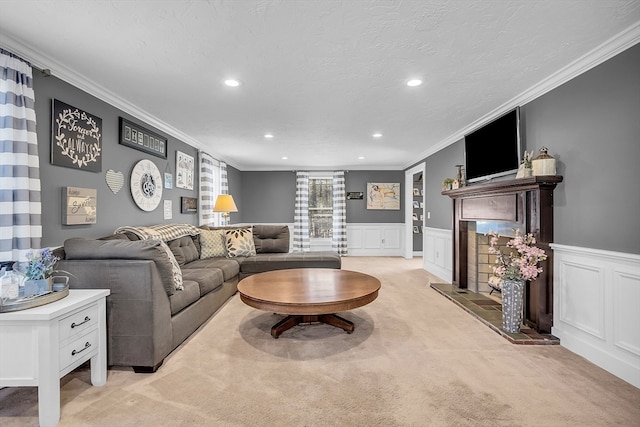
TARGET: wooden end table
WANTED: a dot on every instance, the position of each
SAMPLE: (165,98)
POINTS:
(309,295)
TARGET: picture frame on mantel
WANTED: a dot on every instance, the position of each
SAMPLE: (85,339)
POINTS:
(135,136)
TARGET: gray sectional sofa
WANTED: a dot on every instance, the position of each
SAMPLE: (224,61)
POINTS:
(151,310)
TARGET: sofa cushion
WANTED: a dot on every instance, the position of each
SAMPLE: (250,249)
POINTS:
(229,267)
(213,243)
(240,242)
(154,250)
(268,262)
(208,279)
(180,300)
(184,249)
(271,238)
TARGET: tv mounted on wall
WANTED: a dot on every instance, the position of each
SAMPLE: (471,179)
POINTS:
(494,149)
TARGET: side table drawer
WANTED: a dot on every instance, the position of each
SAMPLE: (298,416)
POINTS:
(79,348)
(78,322)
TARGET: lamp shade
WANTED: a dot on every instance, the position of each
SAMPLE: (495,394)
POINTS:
(225,203)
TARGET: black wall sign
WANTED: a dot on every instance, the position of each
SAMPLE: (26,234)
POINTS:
(76,138)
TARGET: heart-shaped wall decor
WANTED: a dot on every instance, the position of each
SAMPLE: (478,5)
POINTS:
(115,180)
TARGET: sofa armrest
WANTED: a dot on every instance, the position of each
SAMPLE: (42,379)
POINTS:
(138,311)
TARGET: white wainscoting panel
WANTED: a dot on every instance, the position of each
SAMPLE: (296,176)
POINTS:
(596,305)
(373,239)
(437,252)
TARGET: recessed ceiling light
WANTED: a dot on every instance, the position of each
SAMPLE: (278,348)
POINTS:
(285,158)
(414,82)
(377,135)
(233,82)
(268,135)
(361,158)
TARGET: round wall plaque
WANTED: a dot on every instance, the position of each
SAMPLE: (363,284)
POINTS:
(146,185)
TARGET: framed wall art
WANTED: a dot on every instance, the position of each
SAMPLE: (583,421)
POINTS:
(355,195)
(80,205)
(136,136)
(184,171)
(383,195)
(188,205)
(76,138)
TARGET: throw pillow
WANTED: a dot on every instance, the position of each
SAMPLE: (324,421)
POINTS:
(213,243)
(176,271)
(240,243)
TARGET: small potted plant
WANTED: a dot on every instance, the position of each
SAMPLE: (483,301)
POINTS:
(39,272)
(527,162)
(447,184)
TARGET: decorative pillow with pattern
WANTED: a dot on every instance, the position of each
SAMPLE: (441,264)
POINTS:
(213,243)
(240,242)
(176,271)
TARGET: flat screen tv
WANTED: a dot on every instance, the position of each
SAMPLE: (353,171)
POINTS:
(494,149)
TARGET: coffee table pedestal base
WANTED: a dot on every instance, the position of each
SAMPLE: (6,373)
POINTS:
(330,319)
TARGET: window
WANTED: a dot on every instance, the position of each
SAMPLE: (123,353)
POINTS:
(320,208)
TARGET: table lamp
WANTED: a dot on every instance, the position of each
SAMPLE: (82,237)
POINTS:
(225,204)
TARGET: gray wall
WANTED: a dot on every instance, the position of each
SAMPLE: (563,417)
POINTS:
(357,211)
(113,210)
(234,178)
(269,197)
(439,166)
(591,125)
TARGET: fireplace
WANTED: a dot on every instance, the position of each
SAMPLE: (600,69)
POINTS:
(480,262)
(525,203)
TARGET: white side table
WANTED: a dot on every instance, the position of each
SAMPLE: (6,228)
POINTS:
(40,345)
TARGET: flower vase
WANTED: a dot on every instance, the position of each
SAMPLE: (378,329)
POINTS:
(512,295)
(36,287)
(528,172)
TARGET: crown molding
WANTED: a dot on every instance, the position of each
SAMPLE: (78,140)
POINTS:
(41,62)
(591,59)
(607,50)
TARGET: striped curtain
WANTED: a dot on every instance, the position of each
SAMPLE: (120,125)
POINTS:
(301,213)
(209,180)
(339,239)
(224,188)
(20,208)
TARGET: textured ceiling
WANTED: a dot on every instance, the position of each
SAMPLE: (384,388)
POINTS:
(322,76)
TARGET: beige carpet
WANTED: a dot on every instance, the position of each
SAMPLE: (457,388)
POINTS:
(415,359)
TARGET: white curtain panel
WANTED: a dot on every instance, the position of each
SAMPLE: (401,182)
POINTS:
(339,239)
(20,208)
(224,188)
(209,188)
(301,213)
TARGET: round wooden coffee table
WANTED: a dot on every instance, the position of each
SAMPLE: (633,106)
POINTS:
(309,295)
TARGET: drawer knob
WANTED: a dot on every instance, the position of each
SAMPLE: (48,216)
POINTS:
(86,346)
(86,319)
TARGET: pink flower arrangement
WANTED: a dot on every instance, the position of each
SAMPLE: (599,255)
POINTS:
(521,263)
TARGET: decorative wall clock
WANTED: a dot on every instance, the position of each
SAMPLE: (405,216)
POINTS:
(146,185)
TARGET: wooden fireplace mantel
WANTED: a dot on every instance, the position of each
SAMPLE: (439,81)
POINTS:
(525,201)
